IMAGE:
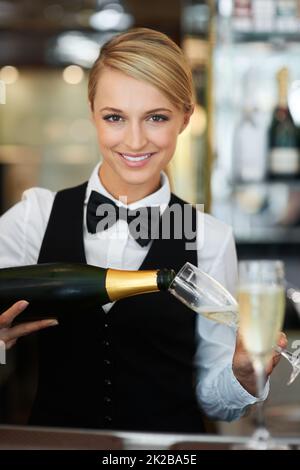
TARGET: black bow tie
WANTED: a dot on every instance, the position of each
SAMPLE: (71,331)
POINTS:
(103,213)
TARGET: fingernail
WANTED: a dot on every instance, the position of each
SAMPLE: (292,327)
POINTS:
(23,304)
(52,322)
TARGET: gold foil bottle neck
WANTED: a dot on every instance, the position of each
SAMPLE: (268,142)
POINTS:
(121,283)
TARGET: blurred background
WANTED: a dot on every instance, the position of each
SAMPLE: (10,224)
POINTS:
(240,155)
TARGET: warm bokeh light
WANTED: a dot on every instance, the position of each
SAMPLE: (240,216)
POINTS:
(9,74)
(73,74)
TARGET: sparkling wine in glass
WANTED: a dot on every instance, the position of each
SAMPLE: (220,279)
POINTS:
(261,296)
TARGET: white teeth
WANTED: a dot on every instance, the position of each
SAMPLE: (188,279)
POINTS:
(136,159)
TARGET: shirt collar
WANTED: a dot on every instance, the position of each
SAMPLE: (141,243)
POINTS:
(161,197)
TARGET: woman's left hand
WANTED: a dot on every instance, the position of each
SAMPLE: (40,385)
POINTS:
(242,365)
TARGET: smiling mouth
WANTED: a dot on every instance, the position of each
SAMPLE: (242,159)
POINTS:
(136,158)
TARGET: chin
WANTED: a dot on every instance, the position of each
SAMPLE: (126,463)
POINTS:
(137,177)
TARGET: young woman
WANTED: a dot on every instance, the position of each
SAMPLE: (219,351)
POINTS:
(146,362)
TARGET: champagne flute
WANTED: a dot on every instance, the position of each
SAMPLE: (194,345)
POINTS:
(294,360)
(203,294)
(261,296)
(206,296)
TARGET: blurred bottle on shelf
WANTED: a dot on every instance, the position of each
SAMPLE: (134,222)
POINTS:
(263,15)
(250,147)
(287,20)
(242,15)
(284,155)
(250,136)
(266,16)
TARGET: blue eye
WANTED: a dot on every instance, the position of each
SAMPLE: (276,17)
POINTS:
(159,118)
(118,118)
(112,118)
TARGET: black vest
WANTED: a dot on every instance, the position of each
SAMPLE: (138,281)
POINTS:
(129,369)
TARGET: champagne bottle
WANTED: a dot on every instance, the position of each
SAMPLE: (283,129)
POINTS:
(57,289)
(249,148)
(250,134)
(283,135)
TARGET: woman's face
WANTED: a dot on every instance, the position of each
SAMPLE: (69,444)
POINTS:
(137,128)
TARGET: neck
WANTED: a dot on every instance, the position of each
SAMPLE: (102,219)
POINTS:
(118,188)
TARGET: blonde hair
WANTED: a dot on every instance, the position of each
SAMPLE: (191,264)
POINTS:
(149,55)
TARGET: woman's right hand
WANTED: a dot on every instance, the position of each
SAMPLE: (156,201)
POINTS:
(9,334)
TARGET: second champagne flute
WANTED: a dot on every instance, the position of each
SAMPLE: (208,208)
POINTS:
(261,297)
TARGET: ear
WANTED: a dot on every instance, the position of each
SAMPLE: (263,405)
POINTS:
(186,119)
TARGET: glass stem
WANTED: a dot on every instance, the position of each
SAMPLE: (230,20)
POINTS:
(260,386)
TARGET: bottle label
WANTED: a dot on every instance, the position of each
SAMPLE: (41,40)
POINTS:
(284,161)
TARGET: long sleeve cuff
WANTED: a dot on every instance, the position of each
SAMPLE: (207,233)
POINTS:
(225,398)
(239,395)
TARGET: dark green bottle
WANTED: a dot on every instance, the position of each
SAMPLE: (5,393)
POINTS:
(55,289)
(284,138)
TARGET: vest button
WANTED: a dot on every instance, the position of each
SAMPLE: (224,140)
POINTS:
(106,343)
(107,419)
(107,382)
(107,400)
(107,362)
(105,325)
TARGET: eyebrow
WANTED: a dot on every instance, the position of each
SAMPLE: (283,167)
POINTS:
(115,110)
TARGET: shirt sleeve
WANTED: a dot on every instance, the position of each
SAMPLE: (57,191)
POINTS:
(23,226)
(219,393)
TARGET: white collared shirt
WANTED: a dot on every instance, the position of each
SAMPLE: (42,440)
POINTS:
(22,229)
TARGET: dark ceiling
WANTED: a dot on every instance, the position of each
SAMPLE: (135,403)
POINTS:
(158,14)
(27,25)
(42,15)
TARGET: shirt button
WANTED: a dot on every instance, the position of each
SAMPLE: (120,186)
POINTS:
(106,343)
(108,419)
(107,382)
(107,400)
(105,325)
(107,362)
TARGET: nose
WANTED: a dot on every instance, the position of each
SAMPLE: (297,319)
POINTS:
(135,136)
